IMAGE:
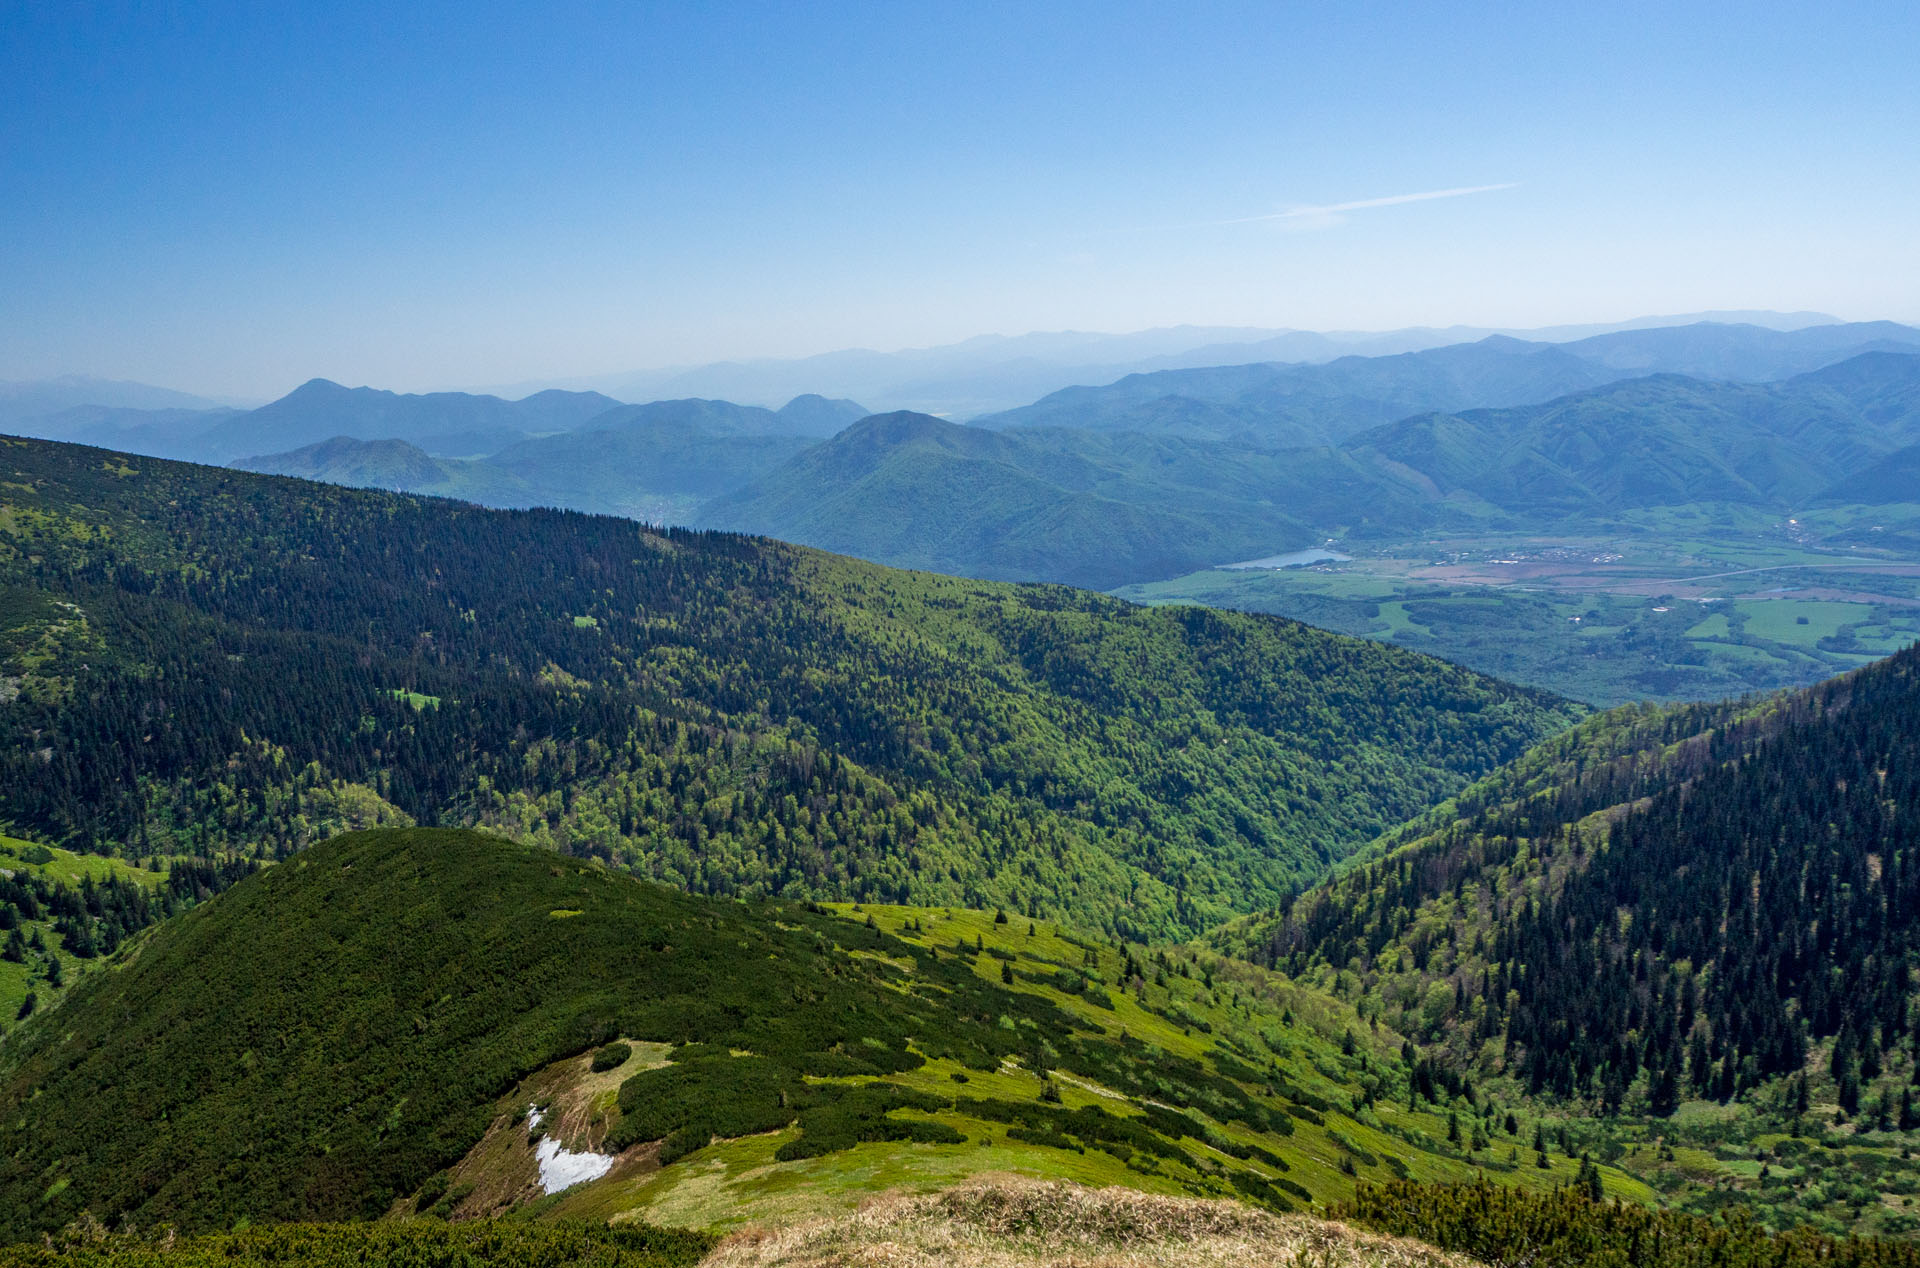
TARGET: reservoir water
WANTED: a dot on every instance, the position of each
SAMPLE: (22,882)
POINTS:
(1295,559)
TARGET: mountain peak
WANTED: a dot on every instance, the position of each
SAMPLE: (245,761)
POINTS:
(383,464)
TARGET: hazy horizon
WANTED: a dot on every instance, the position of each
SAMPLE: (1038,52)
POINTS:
(230,201)
(603,381)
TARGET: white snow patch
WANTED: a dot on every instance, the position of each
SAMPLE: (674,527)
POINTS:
(561,1168)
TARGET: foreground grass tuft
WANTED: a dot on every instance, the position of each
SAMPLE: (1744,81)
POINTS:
(1005,1222)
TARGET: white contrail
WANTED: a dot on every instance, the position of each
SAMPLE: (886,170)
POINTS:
(1333,209)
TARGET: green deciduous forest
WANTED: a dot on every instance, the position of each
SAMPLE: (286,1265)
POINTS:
(1663,953)
(209,662)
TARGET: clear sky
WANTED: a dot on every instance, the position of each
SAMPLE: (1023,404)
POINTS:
(232,199)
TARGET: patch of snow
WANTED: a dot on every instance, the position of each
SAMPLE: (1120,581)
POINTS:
(562,1168)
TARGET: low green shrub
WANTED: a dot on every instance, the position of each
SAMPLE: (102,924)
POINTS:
(415,1243)
(611,1057)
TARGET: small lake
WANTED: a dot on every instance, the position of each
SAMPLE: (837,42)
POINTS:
(1296,559)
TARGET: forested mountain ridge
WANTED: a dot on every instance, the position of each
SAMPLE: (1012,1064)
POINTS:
(1665,441)
(921,492)
(1085,508)
(1661,904)
(1282,406)
(1104,507)
(208,661)
(358,464)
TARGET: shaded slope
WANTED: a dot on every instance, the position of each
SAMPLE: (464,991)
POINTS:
(1276,405)
(655,462)
(641,464)
(1665,441)
(163,433)
(1884,481)
(802,417)
(24,400)
(1740,351)
(1293,406)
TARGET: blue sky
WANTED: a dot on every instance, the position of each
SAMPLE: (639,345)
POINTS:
(231,199)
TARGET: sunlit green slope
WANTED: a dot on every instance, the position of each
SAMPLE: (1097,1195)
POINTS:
(335,1036)
(208,661)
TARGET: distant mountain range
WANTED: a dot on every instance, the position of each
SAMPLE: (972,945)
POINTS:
(1284,406)
(1103,508)
(992,373)
(655,462)
(429,442)
(1089,506)
(1147,477)
(43,397)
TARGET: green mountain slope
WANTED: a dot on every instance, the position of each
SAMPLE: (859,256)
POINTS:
(1037,504)
(269,1056)
(61,913)
(361,464)
(1664,441)
(210,661)
(1107,508)
(1891,480)
(1280,406)
(1715,904)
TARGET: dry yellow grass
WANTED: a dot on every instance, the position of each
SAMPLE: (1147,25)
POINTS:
(1010,1222)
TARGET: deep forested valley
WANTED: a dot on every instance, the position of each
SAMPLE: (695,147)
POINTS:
(208,662)
(1657,954)
(1019,636)
(1661,954)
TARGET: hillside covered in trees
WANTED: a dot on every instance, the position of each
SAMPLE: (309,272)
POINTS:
(205,662)
(1661,904)
(267,1057)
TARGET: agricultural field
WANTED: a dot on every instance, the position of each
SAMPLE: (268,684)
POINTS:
(1687,605)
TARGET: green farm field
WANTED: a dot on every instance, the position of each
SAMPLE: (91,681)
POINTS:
(1689,603)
